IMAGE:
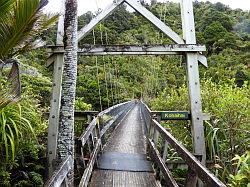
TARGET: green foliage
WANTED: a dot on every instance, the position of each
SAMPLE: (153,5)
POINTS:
(243,29)
(20,125)
(217,37)
(13,126)
(158,79)
(229,107)
(180,176)
(81,105)
(36,178)
(4,178)
(229,126)
(227,65)
(38,87)
(175,99)
(209,16)
(242,177)
(20,25)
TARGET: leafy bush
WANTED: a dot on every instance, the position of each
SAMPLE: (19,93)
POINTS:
(13,127)
(21,153)
(242,177)
(81,105)
(227,132)
(4,178)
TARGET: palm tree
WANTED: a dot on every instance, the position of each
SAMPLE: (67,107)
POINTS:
(21,23)
(66,121)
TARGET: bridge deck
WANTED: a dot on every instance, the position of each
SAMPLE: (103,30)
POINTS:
(124,161)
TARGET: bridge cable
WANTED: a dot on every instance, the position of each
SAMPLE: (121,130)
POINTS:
(111,84)
(115,86)
(159,32)
(164,20)
(107,42)
(108,63)
(110,73)
(104,66)
(163,10)
(116,76)
(97,67)
(97,73)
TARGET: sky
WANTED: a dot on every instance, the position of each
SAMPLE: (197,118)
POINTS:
(93,5)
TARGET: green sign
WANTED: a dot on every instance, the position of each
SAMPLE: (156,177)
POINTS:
(175,115)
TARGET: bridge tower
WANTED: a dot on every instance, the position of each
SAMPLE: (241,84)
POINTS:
(182,45)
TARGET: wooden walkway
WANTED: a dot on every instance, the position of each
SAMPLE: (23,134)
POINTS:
(124,161)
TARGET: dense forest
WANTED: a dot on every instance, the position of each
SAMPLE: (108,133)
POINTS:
(160,80)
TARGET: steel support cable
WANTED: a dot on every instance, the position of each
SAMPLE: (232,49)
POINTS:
(162,15)
(157,77)
(110,75)
(115,86)
(159,32)
(97,67)
(111,84)
(164,19)
(116,72)
(97,74)
(96,3)
(116,76)
(113,80)
(155,80)
(106,83)
(104,66)
(120,87)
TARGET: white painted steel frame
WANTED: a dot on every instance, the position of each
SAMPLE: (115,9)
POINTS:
(156,21)
(176,49)
(149,16)
(55,103)
(188,28)
(100,17)
(139,8)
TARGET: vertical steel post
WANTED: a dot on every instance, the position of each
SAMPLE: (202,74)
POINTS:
(188,28)
(56,97)
(54,111)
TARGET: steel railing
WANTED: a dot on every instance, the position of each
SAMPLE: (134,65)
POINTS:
(89,144)
(96,134)
(196,168)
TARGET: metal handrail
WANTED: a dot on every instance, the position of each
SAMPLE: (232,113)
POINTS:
(60,173)
(94,135)
(195,166)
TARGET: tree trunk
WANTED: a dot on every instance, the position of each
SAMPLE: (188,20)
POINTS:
(66,123)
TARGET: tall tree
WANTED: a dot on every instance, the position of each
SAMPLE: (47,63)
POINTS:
(66,123)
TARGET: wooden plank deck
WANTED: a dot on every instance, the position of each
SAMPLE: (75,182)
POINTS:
(108,178)
(129,142)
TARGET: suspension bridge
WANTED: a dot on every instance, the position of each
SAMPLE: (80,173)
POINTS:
(125,145)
